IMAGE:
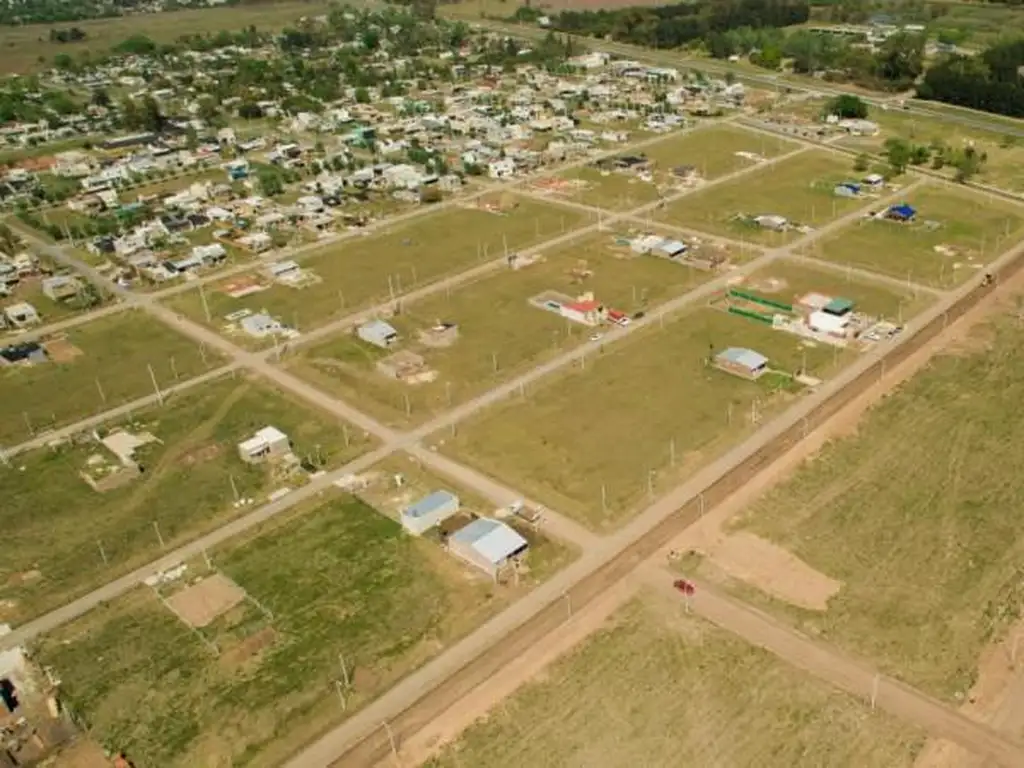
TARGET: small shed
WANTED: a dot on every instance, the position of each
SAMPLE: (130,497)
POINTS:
(825,322)
(60,287)
(672,248)
(741,362)
(771,221)
(902,212)
(846,189)
(268,443)
(378,333)
(430,511)
(487,544)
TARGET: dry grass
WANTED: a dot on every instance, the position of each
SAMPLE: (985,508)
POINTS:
(975,227)
(919,516)
(657,688)
(28,48)
(497,327)
(364,271)
(613,424)
(800,189)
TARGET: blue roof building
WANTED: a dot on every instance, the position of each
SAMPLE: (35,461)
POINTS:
(429,511)
(487,544)
(742,362)
(902,212)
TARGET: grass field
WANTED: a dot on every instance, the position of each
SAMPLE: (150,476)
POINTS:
(60,530)
(927,551)
(29,48)
(500,333)
(657,688)
(1004,167)
(975,228)
(116,352)
(616,422)
(797,280)
(800,189)
(339,580)
(711,150)
(358,272)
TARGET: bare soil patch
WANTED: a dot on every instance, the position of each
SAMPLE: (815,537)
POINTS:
(201,603)
(201,455)
(249,648)
(62,350)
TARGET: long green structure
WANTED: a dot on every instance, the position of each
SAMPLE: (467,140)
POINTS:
(762,317)
(736,293)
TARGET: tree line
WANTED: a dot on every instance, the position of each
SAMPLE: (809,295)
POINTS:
(990,81)
(671,26)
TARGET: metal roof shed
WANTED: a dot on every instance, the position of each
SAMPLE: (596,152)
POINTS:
(838,306)
(487,544)
(429,511)
(378,333)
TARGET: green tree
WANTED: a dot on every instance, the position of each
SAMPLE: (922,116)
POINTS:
(862,162)
(898,153)
(847,106)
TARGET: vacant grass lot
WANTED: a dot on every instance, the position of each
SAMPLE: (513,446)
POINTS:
(919,516)
(29,48)
(340,579)
(971,228)
(361,272)
(1004,167)
(711,150)
(658,688)
(117,352)
(800,189)
(615,423)
(60,530)
(500,333)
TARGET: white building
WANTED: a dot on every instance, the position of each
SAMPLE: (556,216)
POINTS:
(430,511)
(267,444)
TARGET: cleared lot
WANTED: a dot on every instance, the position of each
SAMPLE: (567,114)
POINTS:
(66,537)
(918,517)
(500,332)
(658,688)
(954,234)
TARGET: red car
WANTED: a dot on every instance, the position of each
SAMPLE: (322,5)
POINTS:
(684,586)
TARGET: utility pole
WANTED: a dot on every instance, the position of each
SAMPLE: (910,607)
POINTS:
(156,387)
(174,368)
(391,740)
(159,536)
(103,552)
(99,388)
(202,298)
(672,451)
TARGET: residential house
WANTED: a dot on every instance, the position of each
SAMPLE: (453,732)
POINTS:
(260,325)
(267,444)
(742,362)
(61,287)
(21,315)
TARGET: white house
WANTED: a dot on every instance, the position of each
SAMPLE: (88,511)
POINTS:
(22,314)
(502,168)
(267,444)
(430,511)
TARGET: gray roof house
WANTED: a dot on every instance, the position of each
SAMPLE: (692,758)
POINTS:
(487,544)
(378,333)
(429,511)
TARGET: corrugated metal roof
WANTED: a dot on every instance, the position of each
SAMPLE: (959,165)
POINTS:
(492,539)
(747,358)
(838,306)
(430,504)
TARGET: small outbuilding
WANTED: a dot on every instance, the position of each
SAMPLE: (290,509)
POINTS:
(22,314)
(260,325)
(378,333)
(267,444)
(61,287)
(901,213)
(487,544)
(430,511)
(741,362)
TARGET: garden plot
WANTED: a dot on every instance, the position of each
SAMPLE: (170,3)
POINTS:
(655,687)
(93,368)
(80,513)
(600,441)
(772,205)
(918,516)
(952,234)
(355,273)
(339,604)
(453,346)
